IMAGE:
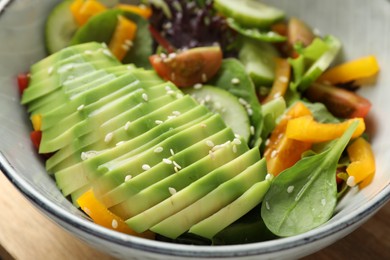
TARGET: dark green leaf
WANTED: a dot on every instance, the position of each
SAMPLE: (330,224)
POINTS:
(304,196)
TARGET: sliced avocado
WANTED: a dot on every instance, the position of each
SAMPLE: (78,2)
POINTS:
(210,226)
(118,169)
(70,154)
(215,200)
(86,171)
(192,192)
(196,161)
(64,54)
(53,83)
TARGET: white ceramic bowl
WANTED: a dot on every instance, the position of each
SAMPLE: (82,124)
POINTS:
(362,25)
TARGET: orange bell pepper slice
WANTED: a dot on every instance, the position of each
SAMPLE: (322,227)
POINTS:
(282,152)
(83,10)
(362,166)
(141,10)
(123,37)
(306,129)
(362,68)
(102,216)
(282,79)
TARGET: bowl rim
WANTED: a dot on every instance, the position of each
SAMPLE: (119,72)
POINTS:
(170,249)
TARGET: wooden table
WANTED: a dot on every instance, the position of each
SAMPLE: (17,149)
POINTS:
(25,233)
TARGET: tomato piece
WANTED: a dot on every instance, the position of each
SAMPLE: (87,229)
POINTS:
(340,102)
(36,137)
(187,68)
(299,32)
(23,79)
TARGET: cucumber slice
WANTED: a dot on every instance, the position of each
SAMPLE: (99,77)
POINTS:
(60,27)
(227,105)
(259,61)
(249,13)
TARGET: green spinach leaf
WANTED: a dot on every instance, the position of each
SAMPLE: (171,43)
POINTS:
(304,196)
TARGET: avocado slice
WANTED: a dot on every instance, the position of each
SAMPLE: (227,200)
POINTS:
(210,226)
(223,195)
(192,192)
(174,144)
(196,162)
(86,170)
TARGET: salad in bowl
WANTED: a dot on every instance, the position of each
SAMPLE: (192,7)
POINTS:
(209,123)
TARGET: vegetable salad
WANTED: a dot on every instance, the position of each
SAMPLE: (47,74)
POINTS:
(272,79)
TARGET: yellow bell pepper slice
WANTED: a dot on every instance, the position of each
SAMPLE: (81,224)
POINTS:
(141,10)
(36,122)
(362,68)
(102,216)
(306,129)
(83,10)
(282,152)
(362,166)
(123,37)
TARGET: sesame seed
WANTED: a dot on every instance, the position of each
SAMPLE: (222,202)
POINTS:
(167,25)
(211,153)
(172,191)
(158,149)
(171,92)
(163,55)
(145,96)
(108,137)
(198,86)
(176,165)
(204,77)
(274,153)
(351,181)
(234,148)
(236,141)
(207,98)
(203,125)
(88,52)
(125,47)
(128,177)
(129,42)
(114,223)
(127,125)
(176,113)
(179,95)
(242,101)
(323,202)
(237,136)
(159,122)
(235,81)
(104,45)
(283,79)
(119,143)
(172,55)
(267,142)
(171,117)
(81,107)
(290,189)
(146,167)
(50,71)
(167,161)
(209,143)
(252,129)
(107,53)
(268,177)
(88,154)
(249,111)
(176,169)
(267,205)
(172,152)
(277,95)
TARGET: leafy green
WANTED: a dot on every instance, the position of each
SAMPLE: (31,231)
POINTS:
(101,27)
(271,112)
(243,88)
(321,113)
(304,196)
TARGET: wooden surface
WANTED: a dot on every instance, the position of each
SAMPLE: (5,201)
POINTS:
(25,233)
